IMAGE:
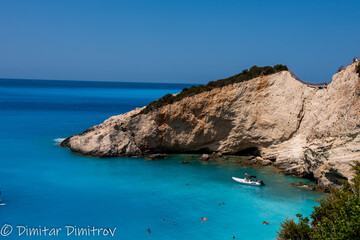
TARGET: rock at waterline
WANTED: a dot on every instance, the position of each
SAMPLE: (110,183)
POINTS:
(156,156)
(303,186)
(205,157)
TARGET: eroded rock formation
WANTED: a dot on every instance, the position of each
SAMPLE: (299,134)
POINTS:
(306,131)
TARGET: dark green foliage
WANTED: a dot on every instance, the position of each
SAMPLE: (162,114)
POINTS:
(245,75)
(358,69)
(292,230)
(337,217)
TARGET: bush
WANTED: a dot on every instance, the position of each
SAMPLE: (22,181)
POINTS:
(337,217)
(292,230)
(245,75)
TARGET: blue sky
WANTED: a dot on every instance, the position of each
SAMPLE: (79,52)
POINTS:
(174,41)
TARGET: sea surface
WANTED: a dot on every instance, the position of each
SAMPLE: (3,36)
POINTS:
(44,185)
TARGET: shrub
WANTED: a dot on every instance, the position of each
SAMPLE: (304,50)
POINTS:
(292,230)
(245,75)
(337,217)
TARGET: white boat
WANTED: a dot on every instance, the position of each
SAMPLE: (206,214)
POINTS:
(249,180)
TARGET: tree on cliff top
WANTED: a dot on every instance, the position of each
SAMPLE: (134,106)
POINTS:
(337,217)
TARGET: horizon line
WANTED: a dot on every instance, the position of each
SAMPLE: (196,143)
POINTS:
(106,81)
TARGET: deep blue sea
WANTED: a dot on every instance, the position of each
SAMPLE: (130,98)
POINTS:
(44,185)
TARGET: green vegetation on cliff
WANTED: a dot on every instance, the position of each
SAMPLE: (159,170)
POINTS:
(245,75)
(337,217)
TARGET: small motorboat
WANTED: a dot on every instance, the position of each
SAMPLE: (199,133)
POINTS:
(249,180)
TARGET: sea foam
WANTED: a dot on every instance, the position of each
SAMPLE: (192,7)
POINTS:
(58,140)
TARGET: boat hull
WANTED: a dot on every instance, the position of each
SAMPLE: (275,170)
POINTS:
(246,182)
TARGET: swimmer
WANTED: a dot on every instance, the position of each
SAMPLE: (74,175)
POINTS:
(266,223)
(149,230)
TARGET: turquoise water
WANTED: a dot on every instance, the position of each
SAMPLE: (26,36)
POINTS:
(46,185)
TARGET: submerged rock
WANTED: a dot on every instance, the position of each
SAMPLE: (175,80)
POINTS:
(306,131)
(216,155)
(156,156)
(303,186)
(185,162)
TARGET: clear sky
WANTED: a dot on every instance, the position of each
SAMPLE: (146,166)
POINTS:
(174,41)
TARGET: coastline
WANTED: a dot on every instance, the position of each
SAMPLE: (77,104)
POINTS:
(243,161)
(37,174)
(286,122)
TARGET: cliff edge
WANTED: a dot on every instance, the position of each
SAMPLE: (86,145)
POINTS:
(306,131)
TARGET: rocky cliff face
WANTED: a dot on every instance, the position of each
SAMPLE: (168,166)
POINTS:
(306,131)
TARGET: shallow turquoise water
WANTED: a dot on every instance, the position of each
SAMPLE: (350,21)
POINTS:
(46,185)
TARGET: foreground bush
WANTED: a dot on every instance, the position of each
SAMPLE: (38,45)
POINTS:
(337,217)
(245,75)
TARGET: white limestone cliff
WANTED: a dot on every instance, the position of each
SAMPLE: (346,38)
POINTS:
(306,131)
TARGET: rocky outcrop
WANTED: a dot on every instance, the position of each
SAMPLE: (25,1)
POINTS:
(303,186)
(205,157)
(261,161)
(306,131)
(156,156)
